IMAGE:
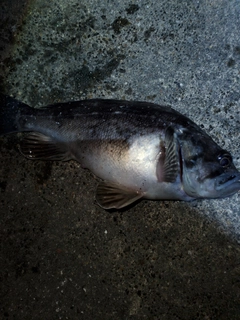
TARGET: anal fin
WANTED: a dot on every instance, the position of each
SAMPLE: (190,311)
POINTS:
(39,146)
(113,196)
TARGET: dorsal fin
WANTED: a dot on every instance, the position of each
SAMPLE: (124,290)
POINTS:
(168,162)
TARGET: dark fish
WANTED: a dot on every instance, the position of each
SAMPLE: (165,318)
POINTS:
(138,149)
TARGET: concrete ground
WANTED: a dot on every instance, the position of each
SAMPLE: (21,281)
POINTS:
(62,256)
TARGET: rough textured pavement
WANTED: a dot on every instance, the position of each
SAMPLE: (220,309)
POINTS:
(63,257)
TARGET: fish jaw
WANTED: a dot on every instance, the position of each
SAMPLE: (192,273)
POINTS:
(227,184)
(222,185)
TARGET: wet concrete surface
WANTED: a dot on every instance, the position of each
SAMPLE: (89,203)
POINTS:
(63,257)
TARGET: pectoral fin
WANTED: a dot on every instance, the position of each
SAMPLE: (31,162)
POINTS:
(168,163)
(38,146)
(114,196)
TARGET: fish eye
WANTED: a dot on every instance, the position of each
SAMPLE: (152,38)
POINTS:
(225,160)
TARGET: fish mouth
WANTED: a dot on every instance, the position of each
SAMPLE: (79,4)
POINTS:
(228,183)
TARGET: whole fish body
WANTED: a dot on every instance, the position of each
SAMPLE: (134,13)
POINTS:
(138,149)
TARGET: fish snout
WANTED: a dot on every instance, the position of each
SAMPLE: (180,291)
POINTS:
(228,183)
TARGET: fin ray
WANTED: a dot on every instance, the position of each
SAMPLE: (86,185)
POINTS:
(168,162)
(113,196)
(39,146)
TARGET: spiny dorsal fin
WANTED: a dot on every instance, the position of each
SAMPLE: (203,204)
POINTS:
(38,146)
(113,196)
(168,161)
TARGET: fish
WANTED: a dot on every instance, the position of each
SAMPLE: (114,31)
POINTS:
(138,150)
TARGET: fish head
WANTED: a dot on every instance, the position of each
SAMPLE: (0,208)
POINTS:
(207,170)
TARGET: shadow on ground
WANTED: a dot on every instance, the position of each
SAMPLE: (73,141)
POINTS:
(64,257)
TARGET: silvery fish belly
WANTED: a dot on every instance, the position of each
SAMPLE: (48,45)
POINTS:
(137,149)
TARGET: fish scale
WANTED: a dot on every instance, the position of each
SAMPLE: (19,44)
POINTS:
(137,149)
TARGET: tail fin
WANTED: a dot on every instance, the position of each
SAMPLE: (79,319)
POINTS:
(10,112)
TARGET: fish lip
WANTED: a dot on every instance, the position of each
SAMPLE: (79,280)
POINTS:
(228,180)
